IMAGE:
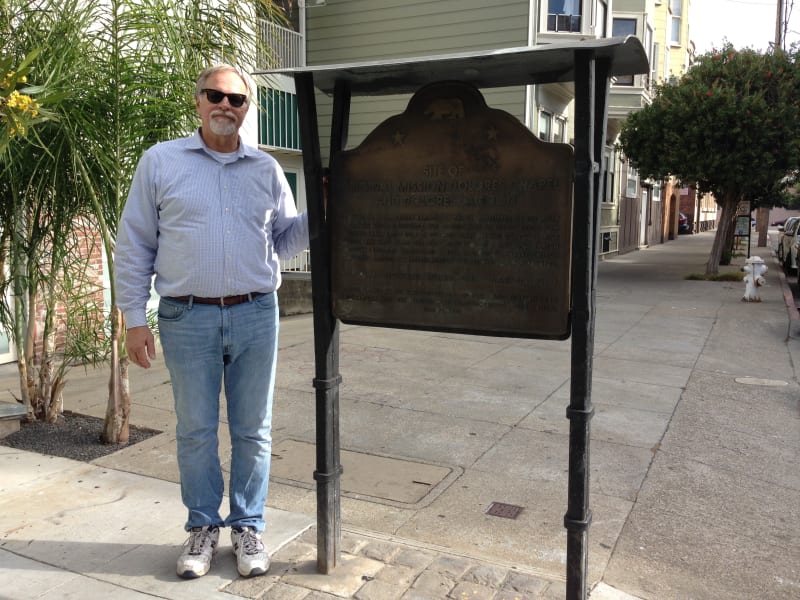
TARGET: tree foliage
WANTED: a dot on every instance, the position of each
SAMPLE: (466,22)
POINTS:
(730,127)
(119,77)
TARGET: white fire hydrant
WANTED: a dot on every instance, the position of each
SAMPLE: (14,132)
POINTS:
(754,268)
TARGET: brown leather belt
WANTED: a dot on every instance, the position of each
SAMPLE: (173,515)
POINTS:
(222,301)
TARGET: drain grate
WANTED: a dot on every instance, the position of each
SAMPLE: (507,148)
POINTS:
(507,511)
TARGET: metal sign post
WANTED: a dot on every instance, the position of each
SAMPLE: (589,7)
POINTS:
(590,64)
(326,337)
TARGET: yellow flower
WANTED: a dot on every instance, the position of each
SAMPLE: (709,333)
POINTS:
(22,102)
(13,99)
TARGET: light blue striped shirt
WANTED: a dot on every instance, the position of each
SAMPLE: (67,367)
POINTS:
(205,223)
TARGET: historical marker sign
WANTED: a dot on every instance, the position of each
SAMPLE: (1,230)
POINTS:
(453,216)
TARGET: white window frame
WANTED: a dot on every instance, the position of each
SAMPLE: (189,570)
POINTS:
(657,192)
(559,129)
(644,32)
(632,183)
(601,29)
(675,20)
(545,117)
(546,14)
(627,80)
(649,48)
(591,12)
(607,171)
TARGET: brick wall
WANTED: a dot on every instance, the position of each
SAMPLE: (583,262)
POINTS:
(79,294)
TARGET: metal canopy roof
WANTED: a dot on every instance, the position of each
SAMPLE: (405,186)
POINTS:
(547,63)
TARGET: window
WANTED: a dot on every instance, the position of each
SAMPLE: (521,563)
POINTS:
(656,56)
(676,8)
(610,181)
(564,15)
(559,129)
(291,178)
(602,187)
(633,183)
(289,15)
(619,27)
(278,124)
(602,12)
(608,167)
(656,192)
(545,125)
(650,47)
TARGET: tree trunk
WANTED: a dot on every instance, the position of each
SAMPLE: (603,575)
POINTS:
(116,428)
(727,218)
(30,355)
(45,386)
(56,398)
(22,367)
(762,224)
(45,390)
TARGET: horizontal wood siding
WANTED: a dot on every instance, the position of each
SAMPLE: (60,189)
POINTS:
(357,30)
(345,31)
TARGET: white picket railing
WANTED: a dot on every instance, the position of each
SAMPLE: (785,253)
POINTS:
(299,264)
(286,45)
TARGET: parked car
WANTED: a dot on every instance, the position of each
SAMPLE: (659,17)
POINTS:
(790,262)
(787,254)
(795,254)
(683,224)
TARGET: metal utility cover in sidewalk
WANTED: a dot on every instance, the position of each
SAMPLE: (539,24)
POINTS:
(366,476)
(501,509)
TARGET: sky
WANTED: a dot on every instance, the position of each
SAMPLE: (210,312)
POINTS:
(743,22)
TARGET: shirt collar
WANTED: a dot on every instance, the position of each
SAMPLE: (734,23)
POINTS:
(195,142)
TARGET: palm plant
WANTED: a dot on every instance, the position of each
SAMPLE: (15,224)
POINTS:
(120,77)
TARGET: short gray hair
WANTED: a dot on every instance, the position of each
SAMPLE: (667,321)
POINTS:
(220,68)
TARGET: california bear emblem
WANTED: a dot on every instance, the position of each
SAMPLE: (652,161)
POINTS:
(445,108)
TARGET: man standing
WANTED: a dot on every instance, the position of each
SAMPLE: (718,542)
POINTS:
(209,216)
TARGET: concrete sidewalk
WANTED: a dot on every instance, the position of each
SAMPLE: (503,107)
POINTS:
(694,478)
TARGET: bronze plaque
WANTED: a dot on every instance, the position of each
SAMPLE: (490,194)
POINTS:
(453,217)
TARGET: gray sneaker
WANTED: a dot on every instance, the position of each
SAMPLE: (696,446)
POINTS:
(251,555)
(197,552)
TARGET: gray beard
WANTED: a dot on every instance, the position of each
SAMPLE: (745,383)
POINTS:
(222,126)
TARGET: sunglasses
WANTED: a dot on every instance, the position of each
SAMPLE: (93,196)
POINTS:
(215,97)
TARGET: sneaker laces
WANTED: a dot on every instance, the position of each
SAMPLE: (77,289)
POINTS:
(250,541)
(199,538)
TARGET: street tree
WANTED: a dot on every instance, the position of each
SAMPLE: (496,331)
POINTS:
(730,127)
(121,74)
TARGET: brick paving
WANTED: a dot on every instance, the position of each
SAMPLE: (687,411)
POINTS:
(377,569)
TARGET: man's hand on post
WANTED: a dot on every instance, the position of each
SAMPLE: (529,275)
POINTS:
(141,345)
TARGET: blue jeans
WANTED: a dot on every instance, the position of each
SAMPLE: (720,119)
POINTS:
(205,345)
